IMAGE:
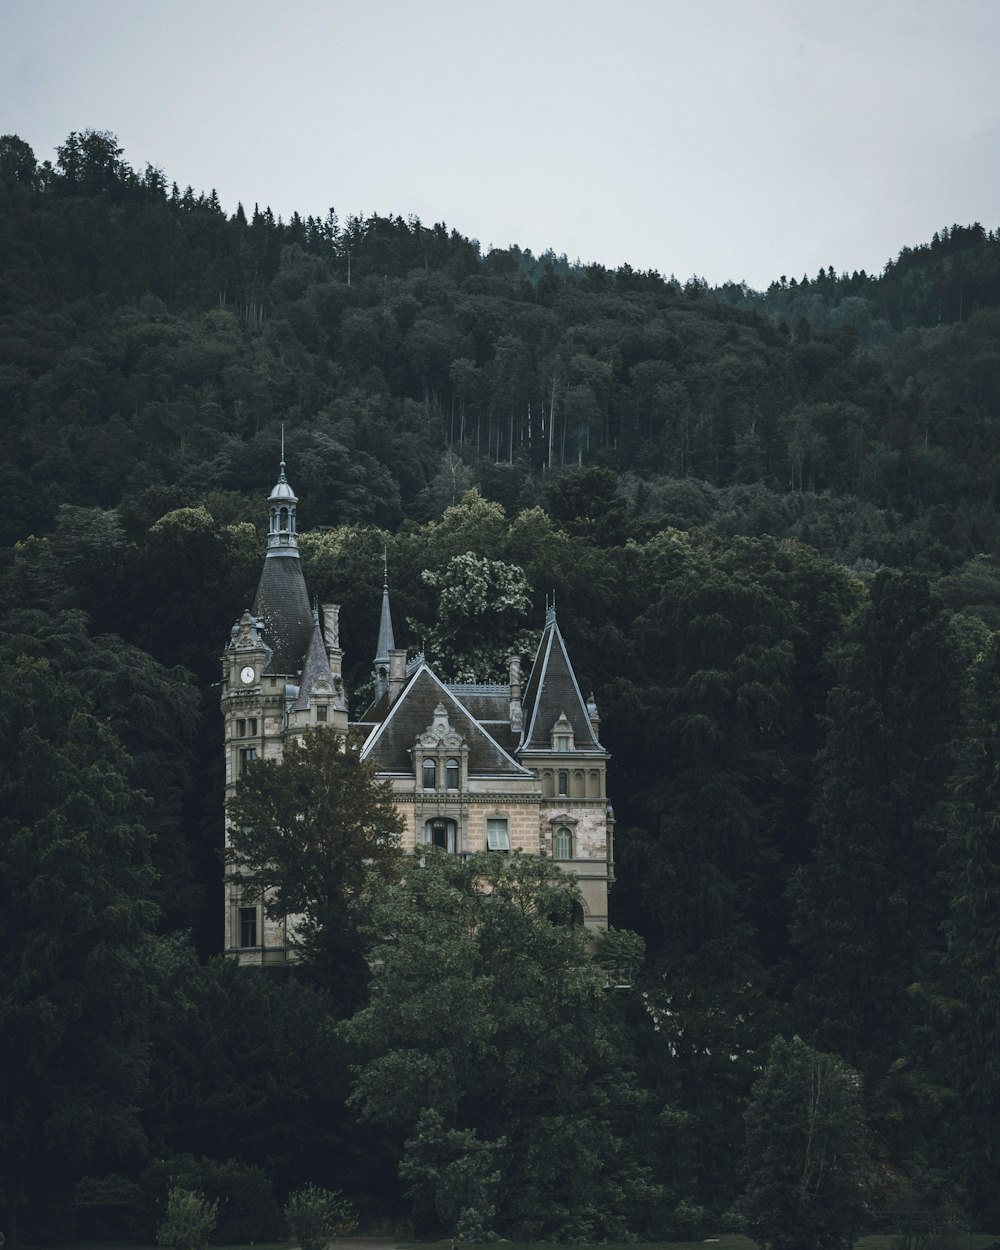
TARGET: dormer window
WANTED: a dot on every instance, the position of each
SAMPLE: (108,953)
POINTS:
(440,755)
(562,734)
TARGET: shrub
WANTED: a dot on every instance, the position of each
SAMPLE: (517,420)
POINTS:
(247,1210)
(317,1215)
(188,1222)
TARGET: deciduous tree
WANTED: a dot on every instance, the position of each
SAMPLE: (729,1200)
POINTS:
(488,1047)
(308,831)
(806,1155)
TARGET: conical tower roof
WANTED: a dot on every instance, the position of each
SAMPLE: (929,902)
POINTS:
(282,602)
(552,691)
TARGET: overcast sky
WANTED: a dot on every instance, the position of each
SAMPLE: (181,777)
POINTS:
(735,139)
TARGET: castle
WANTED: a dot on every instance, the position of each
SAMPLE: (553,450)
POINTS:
(473,767)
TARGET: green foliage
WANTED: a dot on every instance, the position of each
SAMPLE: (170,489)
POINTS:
(967,983)
(452,1178)
(240,1194)
(308,831)
(482,606)
(78,962)
(273,1092)
(315,1216)
(873,892)
(806,1162)
(782,729)
(489,1046)
(188,1221)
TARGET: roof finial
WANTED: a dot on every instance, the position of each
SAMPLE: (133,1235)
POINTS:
(281,474)
(385,568)
(550,610)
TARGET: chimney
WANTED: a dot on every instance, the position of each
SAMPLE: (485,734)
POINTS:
(397,672)
(514,669)
(331,637)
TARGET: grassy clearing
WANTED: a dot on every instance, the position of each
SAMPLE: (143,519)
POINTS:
(724,1241)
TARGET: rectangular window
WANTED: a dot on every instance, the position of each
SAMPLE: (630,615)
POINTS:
(497,836)
(241,729)
(246,755)
(253,726)
(248,926)
(321,711)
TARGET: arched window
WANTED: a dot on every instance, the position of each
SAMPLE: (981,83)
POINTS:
(441,832)
(283,519)
(451,774)
(563,848)
(430,775)
(564,783)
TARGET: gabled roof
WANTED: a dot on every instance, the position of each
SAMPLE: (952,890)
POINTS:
(315,669)
(552,691)
(282,605)
(391,743)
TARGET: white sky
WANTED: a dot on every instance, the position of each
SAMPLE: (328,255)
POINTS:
(736,139)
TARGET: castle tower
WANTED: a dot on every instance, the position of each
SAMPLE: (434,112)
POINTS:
(261,686)
(559,744)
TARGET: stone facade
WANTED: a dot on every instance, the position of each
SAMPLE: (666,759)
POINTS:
(503,768)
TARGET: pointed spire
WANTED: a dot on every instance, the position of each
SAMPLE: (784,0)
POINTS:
(386,639)
(552,692)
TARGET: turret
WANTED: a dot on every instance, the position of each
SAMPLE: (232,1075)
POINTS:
(282,535)
(281,603)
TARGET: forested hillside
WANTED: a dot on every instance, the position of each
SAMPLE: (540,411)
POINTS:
(770,523)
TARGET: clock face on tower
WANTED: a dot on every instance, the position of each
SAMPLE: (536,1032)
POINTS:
(247,675)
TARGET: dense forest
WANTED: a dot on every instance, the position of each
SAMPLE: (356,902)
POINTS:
(770,520)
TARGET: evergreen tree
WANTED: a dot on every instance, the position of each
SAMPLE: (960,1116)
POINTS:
(77,957)
(969,982)
(869,905)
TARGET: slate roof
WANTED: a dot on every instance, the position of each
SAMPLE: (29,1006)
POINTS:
(316,668)
(391,743)
(386,640)
(484,702)
(552,690)
(282,605)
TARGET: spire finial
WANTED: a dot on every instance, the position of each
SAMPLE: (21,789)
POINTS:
(385,568)
(281,474)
